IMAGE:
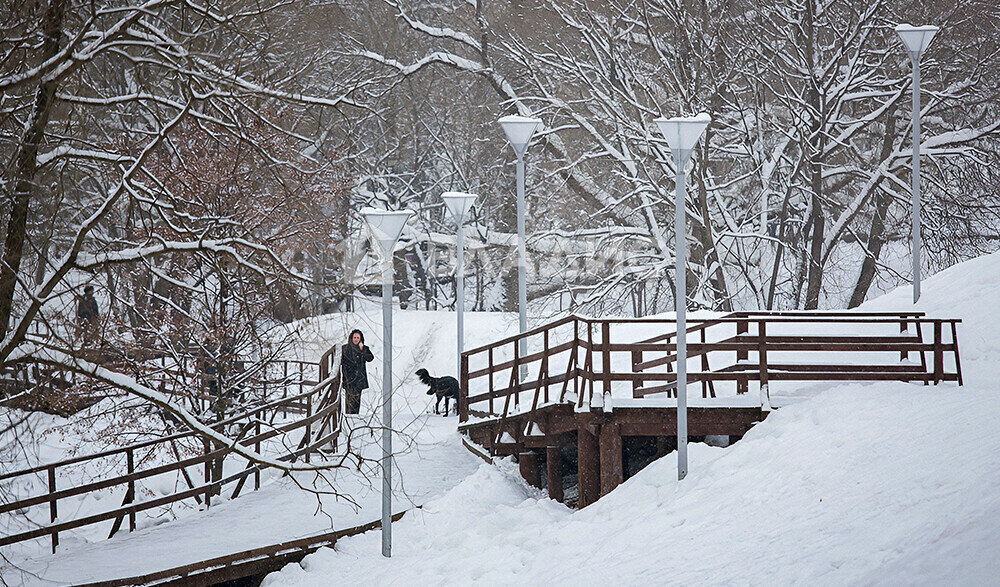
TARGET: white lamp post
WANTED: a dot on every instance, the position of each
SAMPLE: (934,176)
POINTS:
(386,228)
(916,39)
(519,130)
(682,135)
(459,204)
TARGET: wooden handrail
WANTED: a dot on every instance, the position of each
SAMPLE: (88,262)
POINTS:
(326,408)
(743,344)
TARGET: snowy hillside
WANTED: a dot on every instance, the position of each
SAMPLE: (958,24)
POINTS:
(884,483)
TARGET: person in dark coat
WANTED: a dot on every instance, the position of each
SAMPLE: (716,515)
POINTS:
(87,315)
(353,371)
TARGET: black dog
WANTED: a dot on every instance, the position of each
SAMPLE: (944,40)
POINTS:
(443,387)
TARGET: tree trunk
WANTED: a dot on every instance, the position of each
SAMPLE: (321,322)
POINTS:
(816,218)
(26,164)
(876,232)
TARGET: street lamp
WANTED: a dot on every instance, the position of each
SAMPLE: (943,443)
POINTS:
(385,228)
(682,134)
(916,39)
(459,204)
(519,130)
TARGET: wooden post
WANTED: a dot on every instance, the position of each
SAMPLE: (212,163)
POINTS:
(742,386)
(308,433)
(553,466)
(490,357)
(516,378)
(528,464)
(256,447)
(606,361)
(53,509)
(588,473)
(130,495)
(611,458)
(762,350)
(903,355)
(576,358)
(590,363)
(208,476)
(463,392)
(636,360)
(705,368)
(938,353)
(545,345)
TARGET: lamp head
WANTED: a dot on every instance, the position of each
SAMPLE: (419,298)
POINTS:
(519,130)
(386,226)
(916,38)
(682,133)
(459,204)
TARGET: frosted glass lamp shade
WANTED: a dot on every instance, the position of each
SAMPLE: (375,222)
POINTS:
(459,205)
(519,130)
(916,38)
(682,133)
(386,226)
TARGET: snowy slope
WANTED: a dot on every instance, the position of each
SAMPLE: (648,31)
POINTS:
(429,460)
(882,483)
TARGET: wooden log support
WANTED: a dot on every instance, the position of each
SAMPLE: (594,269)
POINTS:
(611,458)
(588,474)
(553,468)
(530,468)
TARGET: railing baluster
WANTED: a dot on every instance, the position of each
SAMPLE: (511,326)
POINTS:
(130,496)
(938,353)
(492,391)
(762,351)
(463,406)
(545,344)
(256,448)
(743,385)
(308,436)
(53,509)
(606,361)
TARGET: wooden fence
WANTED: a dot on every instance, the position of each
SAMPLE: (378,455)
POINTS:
(320,409)
(582,360)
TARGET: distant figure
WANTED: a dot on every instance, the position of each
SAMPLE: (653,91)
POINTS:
(208,365)
(88,315)
(353,371)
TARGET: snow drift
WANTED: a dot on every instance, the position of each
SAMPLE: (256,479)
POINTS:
(882,483)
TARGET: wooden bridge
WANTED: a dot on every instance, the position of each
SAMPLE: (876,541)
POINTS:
(589,401)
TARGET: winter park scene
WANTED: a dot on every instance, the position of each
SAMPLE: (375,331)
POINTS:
(527,292)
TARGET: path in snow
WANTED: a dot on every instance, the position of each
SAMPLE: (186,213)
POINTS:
(430,461)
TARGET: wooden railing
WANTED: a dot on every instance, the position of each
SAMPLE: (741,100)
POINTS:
(320,406)
(583,361)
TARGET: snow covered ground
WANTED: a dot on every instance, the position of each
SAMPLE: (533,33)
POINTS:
(885,483)
(429,460)
(882,483)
